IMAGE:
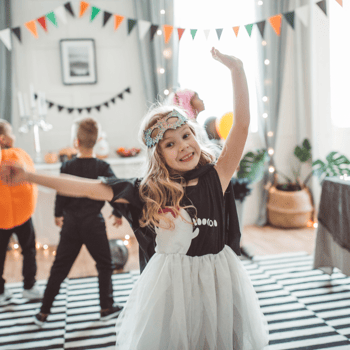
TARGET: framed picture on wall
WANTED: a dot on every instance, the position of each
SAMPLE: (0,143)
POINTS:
(78,61)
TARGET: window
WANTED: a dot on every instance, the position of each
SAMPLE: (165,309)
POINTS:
(197,70)
(339,31)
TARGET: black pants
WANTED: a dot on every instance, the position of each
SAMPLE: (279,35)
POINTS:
(76,232)
(26,239)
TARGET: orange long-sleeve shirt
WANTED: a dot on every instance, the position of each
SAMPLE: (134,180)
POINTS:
(17,203)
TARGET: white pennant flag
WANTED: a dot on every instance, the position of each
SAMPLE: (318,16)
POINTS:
(60,12)
(143,28)
(303,14)
(206,33)
(5,36)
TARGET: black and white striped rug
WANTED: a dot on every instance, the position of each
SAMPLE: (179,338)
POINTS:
(306,309)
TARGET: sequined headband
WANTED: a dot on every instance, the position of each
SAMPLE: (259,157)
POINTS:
(163,125)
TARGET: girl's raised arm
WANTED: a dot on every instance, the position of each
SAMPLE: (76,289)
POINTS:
(235,142)
(67,185)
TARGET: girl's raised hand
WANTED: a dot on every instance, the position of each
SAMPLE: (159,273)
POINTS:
(12,174)
(230,62)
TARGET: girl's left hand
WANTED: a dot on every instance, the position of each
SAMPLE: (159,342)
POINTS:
(230,62)
(12,174)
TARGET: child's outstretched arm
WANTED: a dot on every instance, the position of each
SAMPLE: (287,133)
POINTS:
(235,142)
(67,185)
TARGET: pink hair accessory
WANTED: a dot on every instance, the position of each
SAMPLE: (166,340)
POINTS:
(182,98)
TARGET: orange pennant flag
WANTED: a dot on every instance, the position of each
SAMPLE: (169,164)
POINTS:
(31,26)
(236,30)
(340,2)
(275,22)
(168,30)
(83,7)
(118,21)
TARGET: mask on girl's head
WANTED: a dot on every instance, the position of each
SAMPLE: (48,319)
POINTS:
(155,133)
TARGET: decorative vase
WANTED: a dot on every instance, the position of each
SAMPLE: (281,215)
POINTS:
(289,209)
(102,147)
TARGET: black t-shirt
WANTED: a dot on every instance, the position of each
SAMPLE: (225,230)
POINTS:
(91,168)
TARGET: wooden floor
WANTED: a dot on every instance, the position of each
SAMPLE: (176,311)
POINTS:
(255,240)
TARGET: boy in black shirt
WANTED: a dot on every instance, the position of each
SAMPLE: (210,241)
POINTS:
(82,223)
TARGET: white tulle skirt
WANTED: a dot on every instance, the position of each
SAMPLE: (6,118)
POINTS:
(193,303)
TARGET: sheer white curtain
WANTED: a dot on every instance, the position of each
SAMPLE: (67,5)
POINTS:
(197,70)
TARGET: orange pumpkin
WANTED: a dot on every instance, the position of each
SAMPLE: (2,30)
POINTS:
(51,158)
(17,203)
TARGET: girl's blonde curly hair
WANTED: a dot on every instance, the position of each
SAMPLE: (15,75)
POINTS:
(161,187)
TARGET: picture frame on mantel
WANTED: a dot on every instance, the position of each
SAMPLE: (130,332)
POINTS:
(78,61)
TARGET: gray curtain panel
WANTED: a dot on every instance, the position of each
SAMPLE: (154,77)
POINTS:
(269,83)
(5,64)
(155,54)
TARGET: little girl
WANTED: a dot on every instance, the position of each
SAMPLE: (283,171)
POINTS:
(194,292)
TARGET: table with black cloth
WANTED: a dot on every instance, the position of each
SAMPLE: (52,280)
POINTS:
(333,232)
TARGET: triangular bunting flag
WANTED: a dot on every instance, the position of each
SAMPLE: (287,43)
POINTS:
(94,12)
(61,14)
(113,99)
(80,110)
(323,6)
(68,7)
(261,27)
(128,90)
(5,36)
(83,7)
(121,96)
(154,29)
(289,16)
(206,33)
(17,32)
(143,28)
(88,109)
(60,108)
(70,110)
(51,16)
(106,104)
(106,17)
(236,30)
(249,28)
(303,14)
(193,33)
(168,30)
(117,21)
(31,26)
(275,22)
(180,31)
(131,24)
(50,104)
(340,2)
(98,108)
(35,96)
(219,32)
(42,22)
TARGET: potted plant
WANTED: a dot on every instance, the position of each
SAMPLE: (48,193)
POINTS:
(290,204)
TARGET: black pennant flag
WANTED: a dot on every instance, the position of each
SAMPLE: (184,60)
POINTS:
(60,108)
(70,110)
(17,32)
(154,29)
(68,7)
(113,99)
(323,6)
(106,17)
(98,108)
(35,96)
(261,27)
(131,25)
(127,90)
(80,110)
(51,104)
(106,104)
(88,109)
(290,18)
(121,96)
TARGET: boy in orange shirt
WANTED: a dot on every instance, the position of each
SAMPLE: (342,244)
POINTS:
(17,205)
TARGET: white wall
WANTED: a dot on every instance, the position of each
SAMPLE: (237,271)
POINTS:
(37,61)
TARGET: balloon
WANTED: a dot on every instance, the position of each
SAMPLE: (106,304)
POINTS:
(119,253)
(224,124)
